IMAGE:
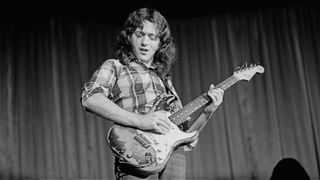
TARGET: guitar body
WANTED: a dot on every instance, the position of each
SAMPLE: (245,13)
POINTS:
(147,152)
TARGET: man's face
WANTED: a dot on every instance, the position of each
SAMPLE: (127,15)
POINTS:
(145,42)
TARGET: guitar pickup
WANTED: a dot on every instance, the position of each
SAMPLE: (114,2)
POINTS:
(142,140)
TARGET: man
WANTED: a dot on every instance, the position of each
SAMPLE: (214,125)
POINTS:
(124,90)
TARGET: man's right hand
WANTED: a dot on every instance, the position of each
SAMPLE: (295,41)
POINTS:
(157,121)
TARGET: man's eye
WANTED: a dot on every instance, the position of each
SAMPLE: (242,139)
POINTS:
(139,34)
(153,37)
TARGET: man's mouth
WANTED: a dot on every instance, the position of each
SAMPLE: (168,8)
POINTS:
(143,51)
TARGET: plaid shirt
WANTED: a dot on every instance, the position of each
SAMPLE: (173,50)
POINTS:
(134,87)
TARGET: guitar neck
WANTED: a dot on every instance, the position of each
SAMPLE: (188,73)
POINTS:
(181,116)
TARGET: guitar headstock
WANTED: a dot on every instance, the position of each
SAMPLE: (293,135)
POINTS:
(247,72)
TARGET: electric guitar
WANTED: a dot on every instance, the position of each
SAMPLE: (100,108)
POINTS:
(148,152)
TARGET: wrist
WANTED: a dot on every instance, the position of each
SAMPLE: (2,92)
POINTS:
(210,109)
(208,114)
(136,122)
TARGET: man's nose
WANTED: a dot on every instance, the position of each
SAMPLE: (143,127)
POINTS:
(144,40)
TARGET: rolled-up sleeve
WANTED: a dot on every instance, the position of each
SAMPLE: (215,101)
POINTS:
(102,81)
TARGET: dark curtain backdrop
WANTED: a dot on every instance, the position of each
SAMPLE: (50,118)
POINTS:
(45,134)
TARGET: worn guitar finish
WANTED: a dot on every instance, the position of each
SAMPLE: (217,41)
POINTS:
(149,152)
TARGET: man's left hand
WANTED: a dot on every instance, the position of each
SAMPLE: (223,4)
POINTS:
(216,94)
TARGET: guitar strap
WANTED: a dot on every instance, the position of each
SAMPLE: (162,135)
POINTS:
(177,102)
(171,91)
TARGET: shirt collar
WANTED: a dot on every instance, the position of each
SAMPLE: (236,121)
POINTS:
(135,59)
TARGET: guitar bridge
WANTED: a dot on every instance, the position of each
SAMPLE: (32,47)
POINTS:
(142,140)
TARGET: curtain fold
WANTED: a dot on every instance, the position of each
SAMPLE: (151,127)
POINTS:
(45,133)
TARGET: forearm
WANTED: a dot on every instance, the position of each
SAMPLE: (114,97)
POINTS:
(204,117)
(198,125)
(105,108)
(200,122)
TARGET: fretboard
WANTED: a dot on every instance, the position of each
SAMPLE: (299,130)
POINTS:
(181,115)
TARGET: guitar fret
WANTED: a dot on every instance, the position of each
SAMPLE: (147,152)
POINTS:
(227,83)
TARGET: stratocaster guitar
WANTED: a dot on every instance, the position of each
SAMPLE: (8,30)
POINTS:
(149,152)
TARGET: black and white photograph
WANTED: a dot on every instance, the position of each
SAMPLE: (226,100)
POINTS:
(160,90)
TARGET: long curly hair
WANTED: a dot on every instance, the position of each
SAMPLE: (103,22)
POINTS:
(165,56)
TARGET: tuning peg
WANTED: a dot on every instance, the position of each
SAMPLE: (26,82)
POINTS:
(241,67)
(237,69)
(245,65)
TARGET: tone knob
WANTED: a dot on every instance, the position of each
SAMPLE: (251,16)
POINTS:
(129,155)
